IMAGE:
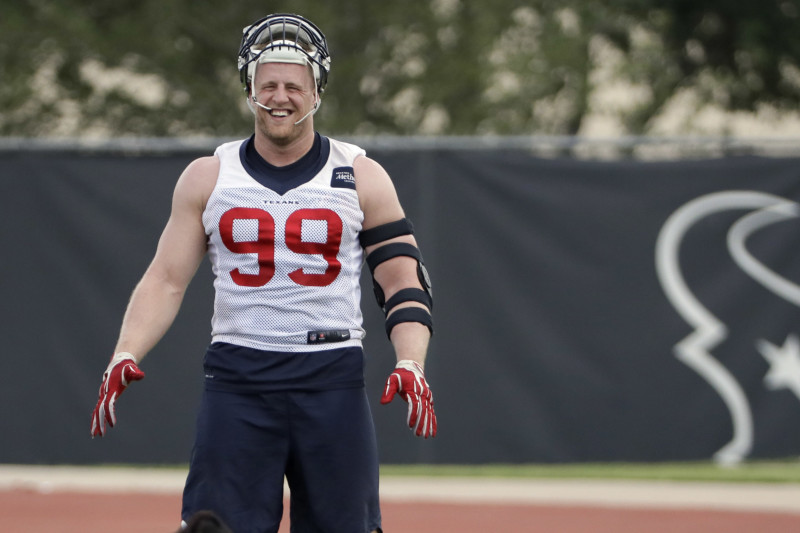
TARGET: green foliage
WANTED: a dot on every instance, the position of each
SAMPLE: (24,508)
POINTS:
(154,68)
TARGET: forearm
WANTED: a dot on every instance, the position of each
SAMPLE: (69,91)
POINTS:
(410,341)
(409,338)
(151,311)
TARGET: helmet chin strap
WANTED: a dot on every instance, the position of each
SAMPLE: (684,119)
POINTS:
(317,102)
(313,110)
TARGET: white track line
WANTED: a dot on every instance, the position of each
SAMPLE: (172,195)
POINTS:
(458,490)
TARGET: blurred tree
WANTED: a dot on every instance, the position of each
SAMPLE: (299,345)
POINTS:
(737,56)
(155,68)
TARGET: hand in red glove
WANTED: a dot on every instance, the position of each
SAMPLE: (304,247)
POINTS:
(408,379)
(121,371)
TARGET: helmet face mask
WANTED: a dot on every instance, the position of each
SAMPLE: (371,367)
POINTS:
(284,38)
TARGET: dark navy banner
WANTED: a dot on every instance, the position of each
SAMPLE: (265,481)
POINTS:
(585,310)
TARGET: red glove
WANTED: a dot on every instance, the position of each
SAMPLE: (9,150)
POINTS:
(121,371)
(408,379)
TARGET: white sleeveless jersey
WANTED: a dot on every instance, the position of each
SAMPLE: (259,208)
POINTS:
(285,265)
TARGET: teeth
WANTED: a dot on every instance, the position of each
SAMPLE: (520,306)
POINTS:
(279,113)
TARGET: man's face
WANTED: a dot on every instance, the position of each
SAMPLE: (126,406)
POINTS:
(289,90)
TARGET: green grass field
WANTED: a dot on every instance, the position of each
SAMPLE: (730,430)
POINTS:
(784,471)
(773,471)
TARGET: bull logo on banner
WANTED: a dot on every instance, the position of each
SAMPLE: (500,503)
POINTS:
(696,350)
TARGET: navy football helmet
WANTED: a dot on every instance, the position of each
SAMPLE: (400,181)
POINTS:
(284,38)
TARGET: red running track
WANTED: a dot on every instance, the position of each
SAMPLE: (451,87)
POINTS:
(29,511)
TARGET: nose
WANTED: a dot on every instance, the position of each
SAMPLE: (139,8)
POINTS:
(280,94)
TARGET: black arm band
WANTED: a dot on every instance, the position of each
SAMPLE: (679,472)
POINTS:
(393,249)
(388,251)
(408,295)
(397,249)
(384,232)
(409,314)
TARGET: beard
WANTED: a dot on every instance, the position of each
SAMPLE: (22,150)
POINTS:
(280,134)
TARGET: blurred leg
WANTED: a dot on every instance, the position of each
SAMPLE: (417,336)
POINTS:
(238,460)
(333,467)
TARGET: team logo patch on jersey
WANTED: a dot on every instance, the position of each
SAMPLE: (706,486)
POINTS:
(343,178)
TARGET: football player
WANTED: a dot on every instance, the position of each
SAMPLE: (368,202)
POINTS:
(286,217)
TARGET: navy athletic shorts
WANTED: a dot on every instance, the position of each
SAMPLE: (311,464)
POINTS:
(322,441)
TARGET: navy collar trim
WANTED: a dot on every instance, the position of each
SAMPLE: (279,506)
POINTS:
(283,179)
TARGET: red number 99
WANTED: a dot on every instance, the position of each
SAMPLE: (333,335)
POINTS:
(264,245)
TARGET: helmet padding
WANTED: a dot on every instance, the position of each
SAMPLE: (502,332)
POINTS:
(284,38)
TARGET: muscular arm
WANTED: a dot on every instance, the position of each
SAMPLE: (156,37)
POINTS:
(380,205)
(157,297)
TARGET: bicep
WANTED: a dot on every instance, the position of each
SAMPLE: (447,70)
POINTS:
(381,205)
(376,193)
(183,242)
